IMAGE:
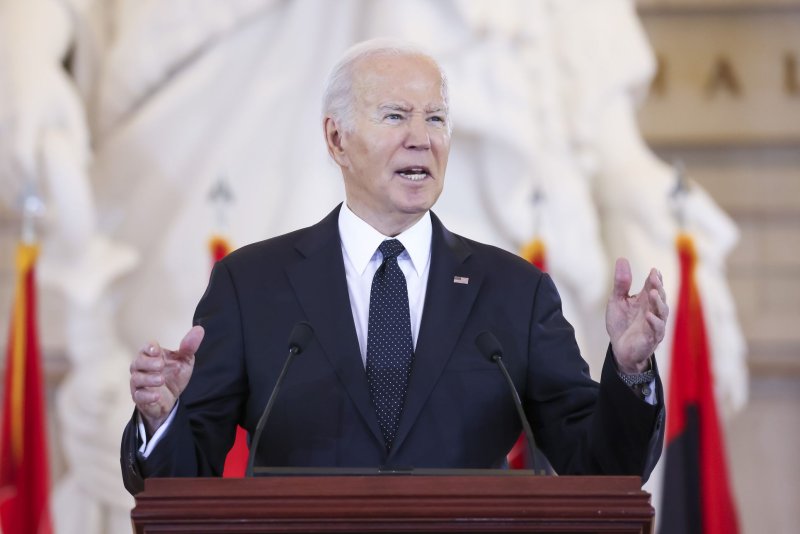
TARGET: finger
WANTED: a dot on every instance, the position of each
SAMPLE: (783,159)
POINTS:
(655,281)
(622,278)
(191,342)
(146,396)
(139,381)
(146,380)
(658,305)
(152,349)
(658,325)
(652,281)
(146,363)
(660,286)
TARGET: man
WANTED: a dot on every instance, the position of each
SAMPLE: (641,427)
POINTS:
(393,375)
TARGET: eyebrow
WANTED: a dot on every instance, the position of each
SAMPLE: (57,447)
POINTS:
(395,107)
(406,108)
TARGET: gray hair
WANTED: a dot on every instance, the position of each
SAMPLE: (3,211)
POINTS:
(338,99)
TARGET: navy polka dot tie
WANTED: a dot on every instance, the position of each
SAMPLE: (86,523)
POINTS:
(389,345)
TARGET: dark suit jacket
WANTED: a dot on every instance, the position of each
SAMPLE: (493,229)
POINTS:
(458,412)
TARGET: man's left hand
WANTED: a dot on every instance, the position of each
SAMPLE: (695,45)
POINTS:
(635,323)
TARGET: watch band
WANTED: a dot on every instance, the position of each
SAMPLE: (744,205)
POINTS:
(639,378)
(639,382)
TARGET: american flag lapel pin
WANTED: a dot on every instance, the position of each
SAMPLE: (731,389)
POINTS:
(461,280)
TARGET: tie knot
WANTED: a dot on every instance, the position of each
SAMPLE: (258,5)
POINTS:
(391,248)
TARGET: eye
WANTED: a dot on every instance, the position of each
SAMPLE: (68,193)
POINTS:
(393,116)
(437,118)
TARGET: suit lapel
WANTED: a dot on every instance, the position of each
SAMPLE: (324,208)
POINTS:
(320,283)
(447,306)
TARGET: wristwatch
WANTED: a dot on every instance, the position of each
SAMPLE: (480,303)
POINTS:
(639,382)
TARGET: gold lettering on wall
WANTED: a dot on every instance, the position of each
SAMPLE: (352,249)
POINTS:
(791,82)
(659,85)
(723,77)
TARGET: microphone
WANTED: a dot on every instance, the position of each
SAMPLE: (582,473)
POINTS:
(298,340)
(490,347)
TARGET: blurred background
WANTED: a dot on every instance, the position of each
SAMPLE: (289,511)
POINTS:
(140,139)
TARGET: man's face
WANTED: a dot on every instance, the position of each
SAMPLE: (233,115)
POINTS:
(394,159)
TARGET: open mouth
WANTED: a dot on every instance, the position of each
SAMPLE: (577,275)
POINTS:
(415,174)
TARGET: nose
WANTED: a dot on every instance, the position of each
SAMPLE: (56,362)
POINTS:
(418,137)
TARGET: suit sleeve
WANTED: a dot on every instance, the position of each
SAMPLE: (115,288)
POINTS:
(581,426)
(211,405)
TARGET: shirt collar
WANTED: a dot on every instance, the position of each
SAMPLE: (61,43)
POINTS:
(360,240)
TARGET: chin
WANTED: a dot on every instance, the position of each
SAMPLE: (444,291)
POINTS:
(415,208)
(417,203)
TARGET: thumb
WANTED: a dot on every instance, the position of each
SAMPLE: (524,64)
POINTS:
(622,279)
(191,341)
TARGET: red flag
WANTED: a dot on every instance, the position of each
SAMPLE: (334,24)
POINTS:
(219,247)
(236,461)
(24,478)
(697,496)
(535,253)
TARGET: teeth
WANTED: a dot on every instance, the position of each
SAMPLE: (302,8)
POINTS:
(413,177)
(414,174)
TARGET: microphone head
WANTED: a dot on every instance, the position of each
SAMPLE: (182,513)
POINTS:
(489,345)
(301,335)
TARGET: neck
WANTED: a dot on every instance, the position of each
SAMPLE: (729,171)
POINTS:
(388,225)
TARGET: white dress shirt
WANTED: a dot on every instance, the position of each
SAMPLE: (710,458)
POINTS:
(362,258)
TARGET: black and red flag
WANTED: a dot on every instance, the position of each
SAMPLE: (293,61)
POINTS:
(696,494)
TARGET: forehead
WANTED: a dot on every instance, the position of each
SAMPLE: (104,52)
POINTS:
(398,78)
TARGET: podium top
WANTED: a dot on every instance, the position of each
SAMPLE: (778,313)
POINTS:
(485,502)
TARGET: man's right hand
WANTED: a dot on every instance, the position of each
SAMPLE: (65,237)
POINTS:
(159,376)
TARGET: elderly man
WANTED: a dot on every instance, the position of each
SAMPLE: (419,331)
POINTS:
(393,376)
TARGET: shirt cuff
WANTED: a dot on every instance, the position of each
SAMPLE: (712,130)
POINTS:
(651,398)
(147,446)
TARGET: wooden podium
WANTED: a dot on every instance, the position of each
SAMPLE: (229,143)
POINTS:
(394,503)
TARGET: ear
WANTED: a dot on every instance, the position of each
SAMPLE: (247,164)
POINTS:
(333,139)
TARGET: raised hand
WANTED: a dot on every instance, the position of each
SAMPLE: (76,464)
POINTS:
(635,323)
(159,376)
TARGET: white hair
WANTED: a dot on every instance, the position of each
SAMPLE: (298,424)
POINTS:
(338,99)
